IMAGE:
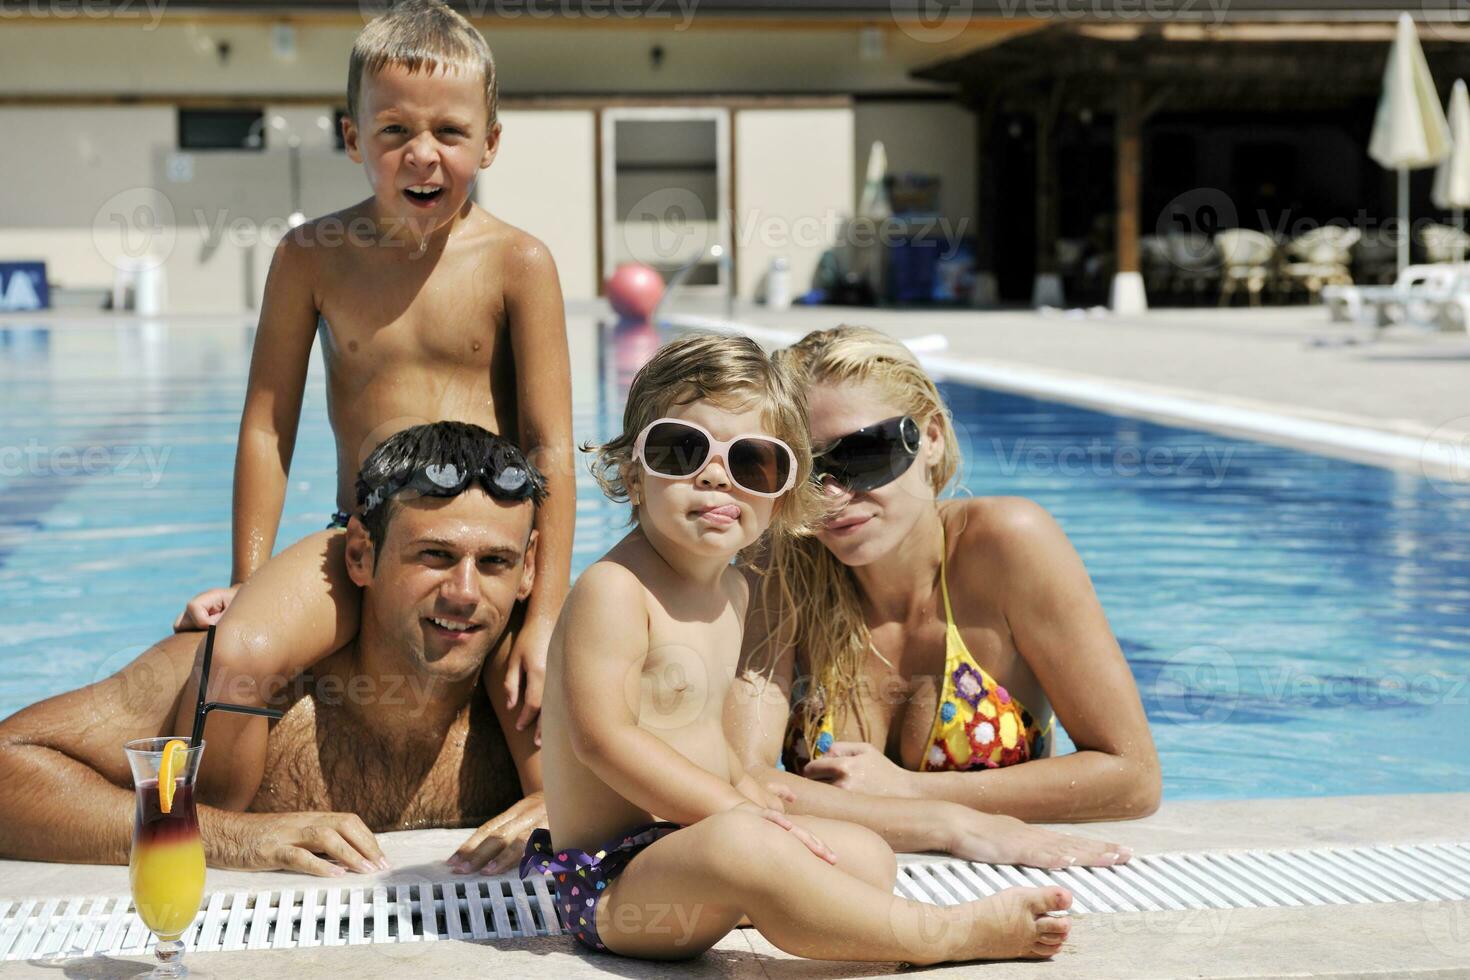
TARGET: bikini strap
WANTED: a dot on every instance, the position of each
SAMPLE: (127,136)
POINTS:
(943,578)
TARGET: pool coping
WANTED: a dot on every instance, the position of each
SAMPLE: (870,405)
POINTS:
(1437,454)
(1418,939)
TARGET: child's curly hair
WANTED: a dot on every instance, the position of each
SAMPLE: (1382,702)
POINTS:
(732,372)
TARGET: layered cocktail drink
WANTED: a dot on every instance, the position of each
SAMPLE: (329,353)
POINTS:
(167,865)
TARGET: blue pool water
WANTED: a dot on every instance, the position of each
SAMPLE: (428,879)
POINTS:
(1298,625)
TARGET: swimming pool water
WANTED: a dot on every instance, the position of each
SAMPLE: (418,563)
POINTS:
(1298,625)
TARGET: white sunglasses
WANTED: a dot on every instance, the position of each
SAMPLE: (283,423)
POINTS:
(676,449)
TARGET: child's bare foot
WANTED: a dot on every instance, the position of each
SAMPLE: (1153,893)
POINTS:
(997,839)
(1014,924)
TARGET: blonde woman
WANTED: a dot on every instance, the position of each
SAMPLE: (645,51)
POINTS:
(922,649)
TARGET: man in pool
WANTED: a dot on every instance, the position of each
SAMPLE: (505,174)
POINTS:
(387,725)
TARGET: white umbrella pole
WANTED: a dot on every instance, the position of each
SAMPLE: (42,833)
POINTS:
(1403,218)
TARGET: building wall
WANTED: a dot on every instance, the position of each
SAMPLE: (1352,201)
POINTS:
(114,188)
(793,189)
(180,53)
(924,137)
(544,180)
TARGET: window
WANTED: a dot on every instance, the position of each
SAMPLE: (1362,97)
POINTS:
(221,129)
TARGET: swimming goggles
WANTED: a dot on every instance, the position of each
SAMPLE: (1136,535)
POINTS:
(503,477)
(675,449)
(870,457)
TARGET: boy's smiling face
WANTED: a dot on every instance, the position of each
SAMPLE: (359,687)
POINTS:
(422,138)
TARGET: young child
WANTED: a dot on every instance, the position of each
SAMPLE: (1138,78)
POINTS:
(428,309)
(659,842)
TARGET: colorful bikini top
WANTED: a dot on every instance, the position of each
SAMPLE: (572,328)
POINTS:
(978,724)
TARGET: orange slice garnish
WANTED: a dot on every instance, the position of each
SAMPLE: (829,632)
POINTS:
(175,757)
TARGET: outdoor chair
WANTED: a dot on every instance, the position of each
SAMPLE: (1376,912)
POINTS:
(1194,262)
(1246,256)
(1321,258)
(1436,296)
(1444,243)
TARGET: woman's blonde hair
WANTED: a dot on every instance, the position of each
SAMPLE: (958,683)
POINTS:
(732,372)
(421,36)
(817,608)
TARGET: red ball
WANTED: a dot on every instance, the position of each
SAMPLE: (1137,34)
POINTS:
(634,290)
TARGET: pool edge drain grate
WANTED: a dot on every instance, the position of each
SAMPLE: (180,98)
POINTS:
(506,908)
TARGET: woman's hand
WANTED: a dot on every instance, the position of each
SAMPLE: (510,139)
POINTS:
(864,768)
(813,843)
(499,843)
(997,839)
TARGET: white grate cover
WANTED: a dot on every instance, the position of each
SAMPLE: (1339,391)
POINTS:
(504,907)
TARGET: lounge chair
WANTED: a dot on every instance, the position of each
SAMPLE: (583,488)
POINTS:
(1435,295)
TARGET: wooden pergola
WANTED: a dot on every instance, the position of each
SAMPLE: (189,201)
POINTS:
(1134,71)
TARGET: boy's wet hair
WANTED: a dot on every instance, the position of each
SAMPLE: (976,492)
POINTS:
(421,35)
(466,447)
(732,372)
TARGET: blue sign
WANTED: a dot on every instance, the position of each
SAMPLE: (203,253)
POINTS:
(23,286)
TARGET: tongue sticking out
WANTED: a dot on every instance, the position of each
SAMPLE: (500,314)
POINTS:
(729,512)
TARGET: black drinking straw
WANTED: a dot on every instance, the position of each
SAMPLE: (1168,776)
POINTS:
(202,708)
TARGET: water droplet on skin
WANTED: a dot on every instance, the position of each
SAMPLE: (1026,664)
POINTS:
(352,347)
(477,345)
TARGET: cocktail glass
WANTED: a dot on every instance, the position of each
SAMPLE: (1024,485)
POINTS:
(167,866)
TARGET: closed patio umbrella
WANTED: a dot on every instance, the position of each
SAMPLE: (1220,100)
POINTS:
(1409,130)
(1452,179)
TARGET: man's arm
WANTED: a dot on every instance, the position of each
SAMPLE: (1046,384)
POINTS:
(272,411)
(262,643)
(538,335)
(68,794)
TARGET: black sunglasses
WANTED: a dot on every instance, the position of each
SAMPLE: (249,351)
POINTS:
(501,477)
(871,457)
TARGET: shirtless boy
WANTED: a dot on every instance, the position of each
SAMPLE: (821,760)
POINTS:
(427,307)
